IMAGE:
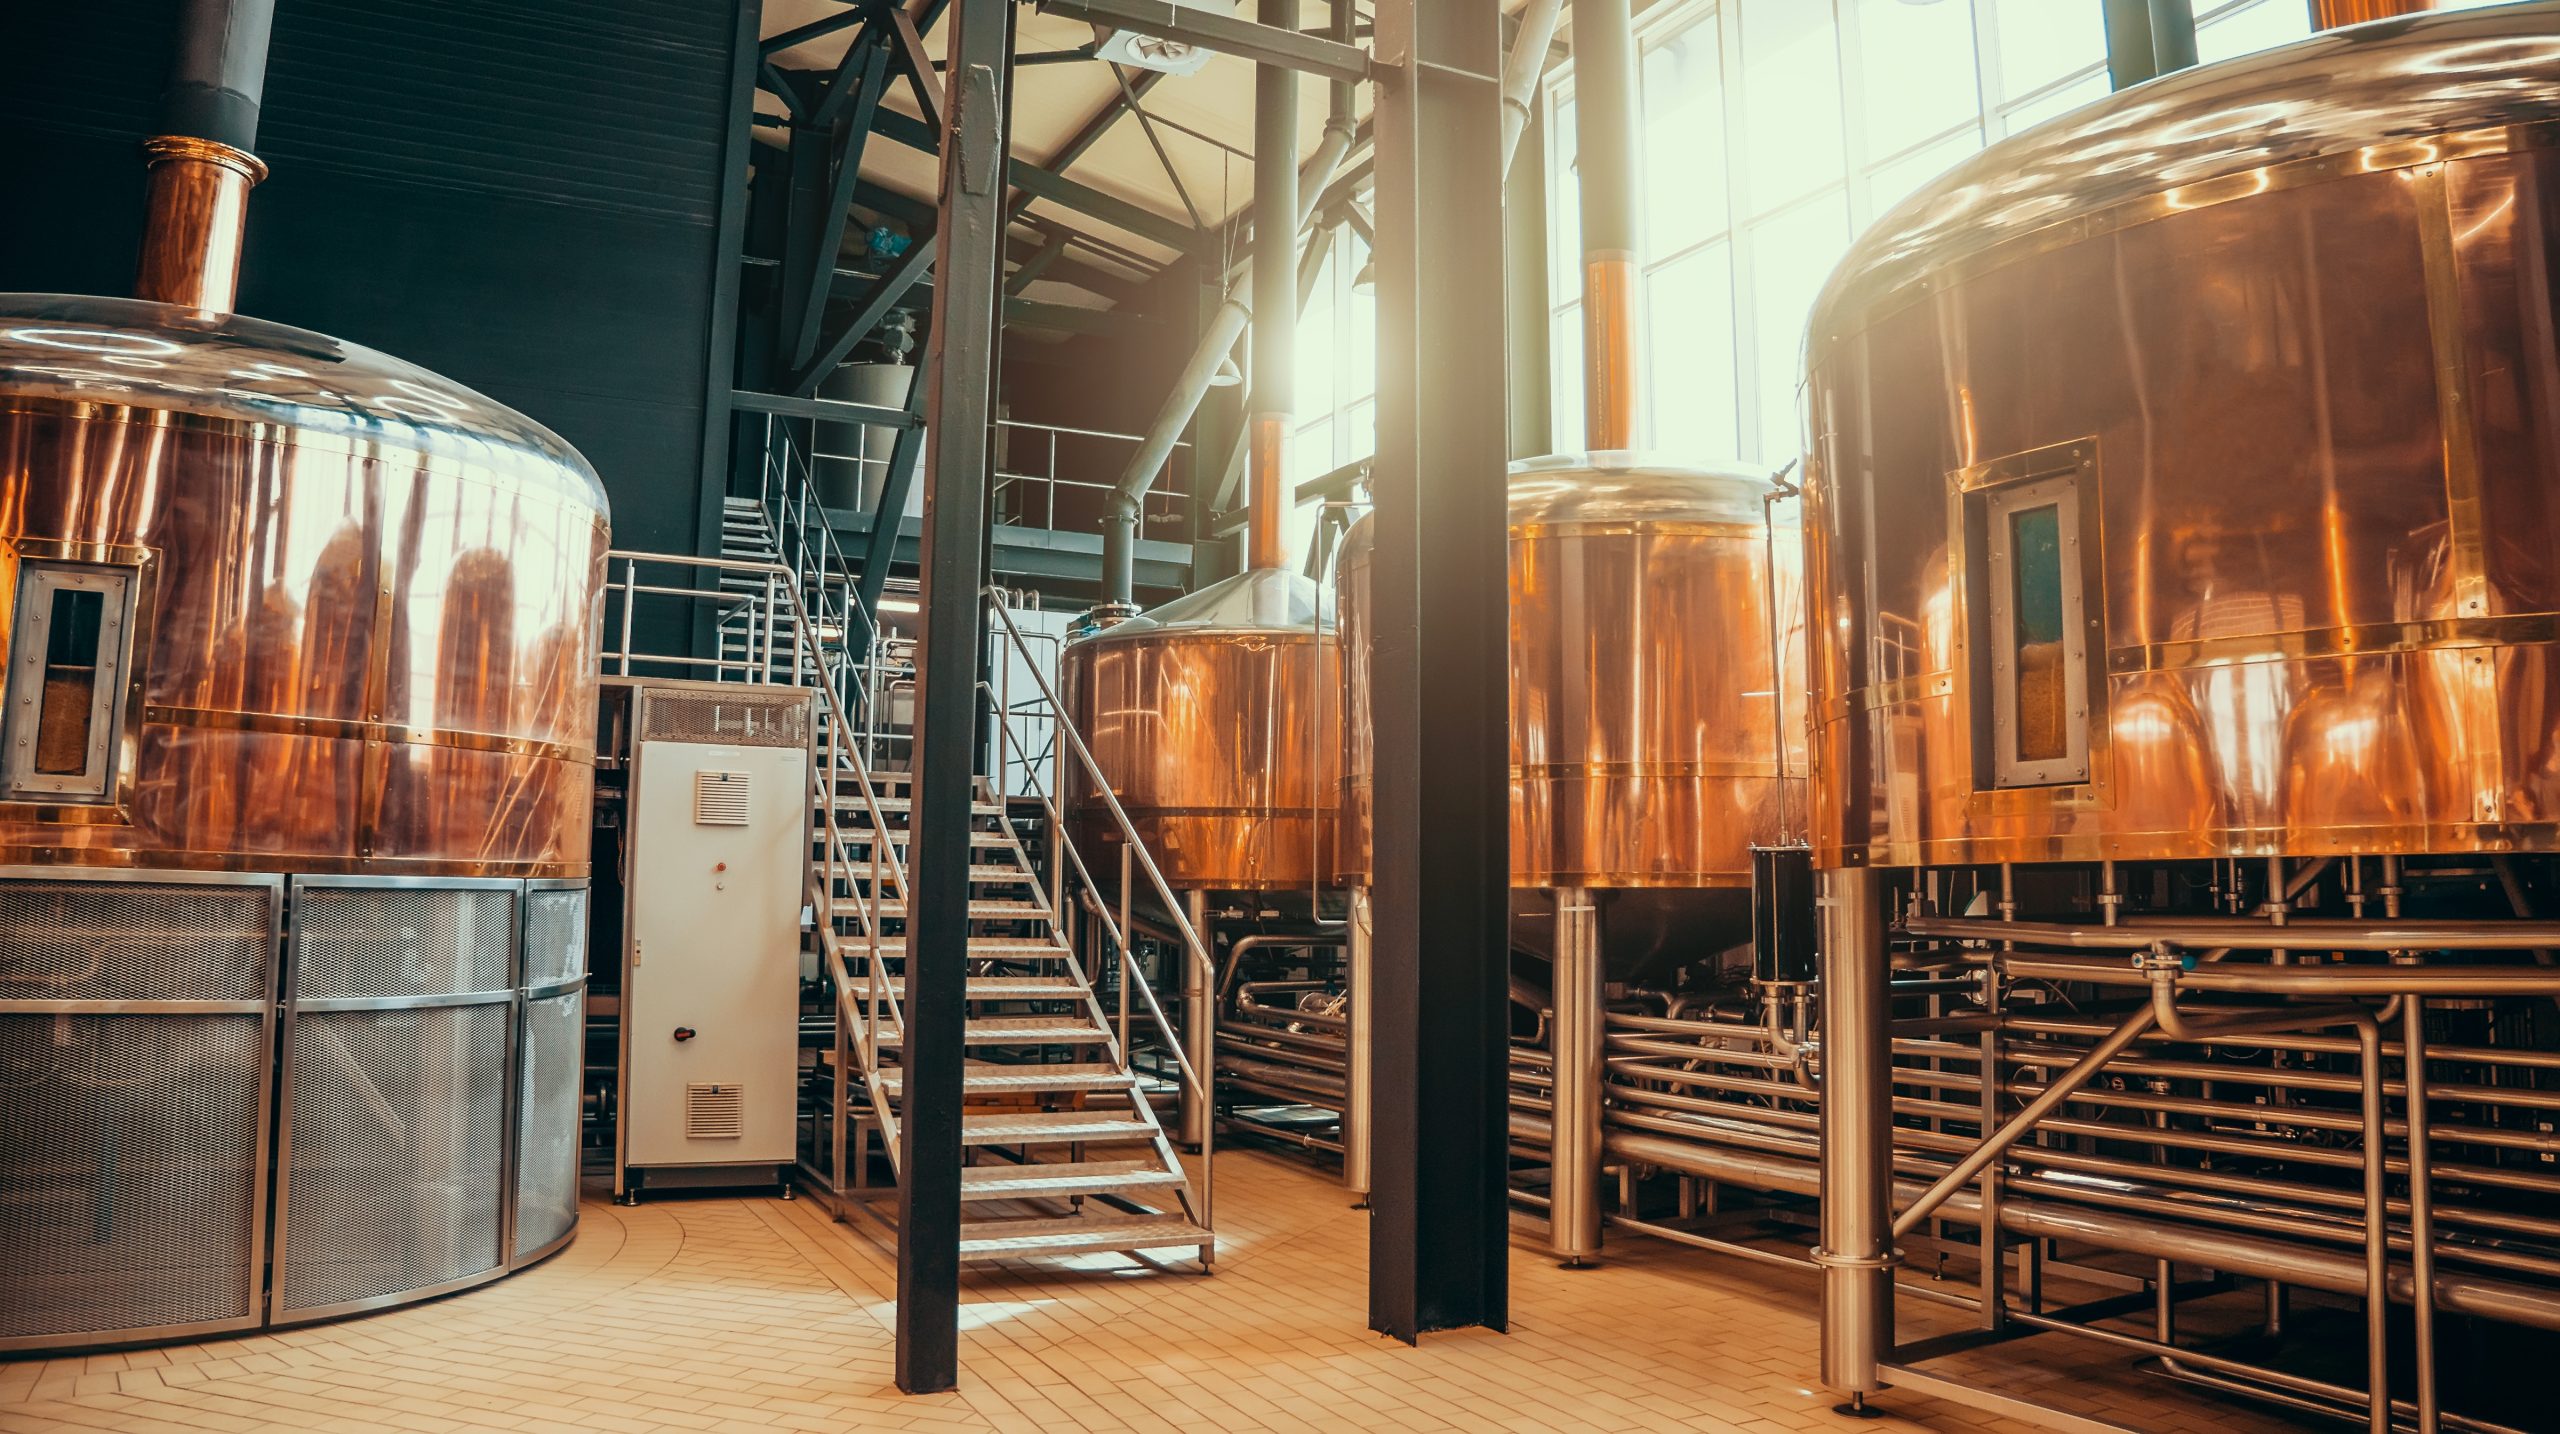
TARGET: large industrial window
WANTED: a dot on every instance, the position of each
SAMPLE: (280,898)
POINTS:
(66,682)
(1776,130)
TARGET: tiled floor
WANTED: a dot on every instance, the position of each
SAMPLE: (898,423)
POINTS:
(722,1313)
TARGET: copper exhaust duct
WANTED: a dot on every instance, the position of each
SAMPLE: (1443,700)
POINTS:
(2331,14)
(1604,57)
(202,168)
(1275,301)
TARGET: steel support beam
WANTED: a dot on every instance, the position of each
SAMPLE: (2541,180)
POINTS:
(826,161)
(1439,1238)
(1267,43)
(1040,183)
(884,296)
(825,409)
(971,228)
(1091,134)
(720,353)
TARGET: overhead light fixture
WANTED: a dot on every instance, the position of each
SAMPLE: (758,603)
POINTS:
(1228,375)
(1155,52)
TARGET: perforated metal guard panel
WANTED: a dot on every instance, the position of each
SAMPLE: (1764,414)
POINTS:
(555,936)
(120,941)
(401,941)
(399,1143)
(128,1171)
(552,1055)
(736,717)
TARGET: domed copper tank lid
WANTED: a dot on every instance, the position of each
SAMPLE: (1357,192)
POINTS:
(2381,95)
(132,353)
(1632,486)
(1257,602)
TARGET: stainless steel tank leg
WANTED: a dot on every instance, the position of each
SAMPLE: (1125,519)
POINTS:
(1355,1093)
(1857,1126)
(1573,1224)
(1197,1016)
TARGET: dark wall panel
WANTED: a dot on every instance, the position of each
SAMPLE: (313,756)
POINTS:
(523,196)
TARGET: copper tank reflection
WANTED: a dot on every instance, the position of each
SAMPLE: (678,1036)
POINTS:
(1647,708)
(2187,471)
(1215,719)
(364,599)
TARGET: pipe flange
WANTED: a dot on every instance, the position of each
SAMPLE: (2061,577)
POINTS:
(2162,958)
(1830,1261)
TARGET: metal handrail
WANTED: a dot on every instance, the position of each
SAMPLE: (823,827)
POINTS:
(1131,847)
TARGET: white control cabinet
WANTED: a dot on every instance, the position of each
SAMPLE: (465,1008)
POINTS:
(718,857)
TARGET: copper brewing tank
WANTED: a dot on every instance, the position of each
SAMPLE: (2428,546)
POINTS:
(2185,471)
(1646,707)
(1214,718)
(363,601)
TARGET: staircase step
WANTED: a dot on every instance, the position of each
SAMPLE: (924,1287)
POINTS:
(981,948)
(982,910)
(1062,1177)
(997,1078)
(1013,1030)
(861,836)
(1000,1239)
(1045,1127)
(900,804)
(1011,988)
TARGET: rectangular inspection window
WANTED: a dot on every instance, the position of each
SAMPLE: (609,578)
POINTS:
(66,682)
(2038,642)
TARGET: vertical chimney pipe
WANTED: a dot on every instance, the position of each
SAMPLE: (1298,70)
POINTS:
(201,167)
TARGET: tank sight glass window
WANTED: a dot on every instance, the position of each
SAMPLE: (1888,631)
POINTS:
(67,659)
(2030,630)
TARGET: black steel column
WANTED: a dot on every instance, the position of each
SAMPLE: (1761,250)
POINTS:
(1439,1232)
(971,232)
(2147,39)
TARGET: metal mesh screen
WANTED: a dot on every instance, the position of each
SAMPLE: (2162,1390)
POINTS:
(400,941)
(555,936)
(129,1192)
(399,1146)
(121,941)
(553,1054)
(739,717)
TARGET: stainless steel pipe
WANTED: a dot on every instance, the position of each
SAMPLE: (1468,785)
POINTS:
(1577,1039)
(1857,1133)
(1356,1088)
(1199,1022)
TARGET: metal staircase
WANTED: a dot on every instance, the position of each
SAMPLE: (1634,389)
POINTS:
(1063,1150)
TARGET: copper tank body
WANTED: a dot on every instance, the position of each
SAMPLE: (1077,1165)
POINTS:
(1215,719)
(1646,707)
(2274,342)
(364,633)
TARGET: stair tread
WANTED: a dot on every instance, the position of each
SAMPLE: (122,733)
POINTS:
(900,804)
(999,1029)
(997,1076)
(1008,988)
(1062,1177)
(986,946)
(994,1239)
(1021,910)
(861,836)
(1011,1127)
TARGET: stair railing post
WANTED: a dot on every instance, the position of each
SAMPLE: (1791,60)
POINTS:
(630,596)
(1128,954)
